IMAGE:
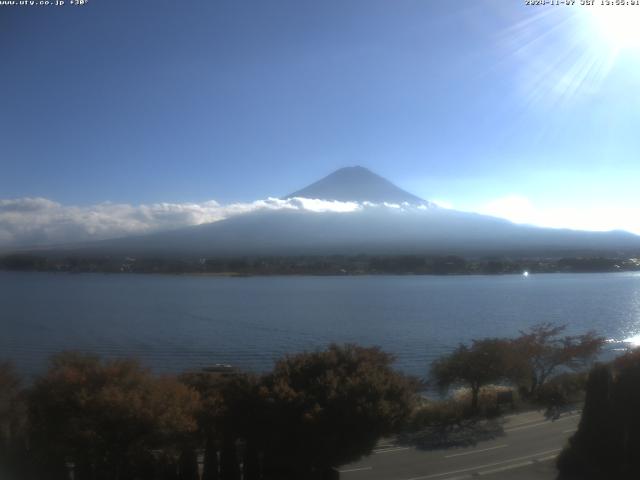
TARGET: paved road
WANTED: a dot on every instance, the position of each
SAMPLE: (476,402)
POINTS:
(526,451)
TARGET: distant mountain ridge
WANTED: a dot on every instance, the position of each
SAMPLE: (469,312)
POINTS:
(374,231)
(357,184)
(409,226)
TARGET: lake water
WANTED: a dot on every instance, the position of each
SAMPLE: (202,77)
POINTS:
(173,323)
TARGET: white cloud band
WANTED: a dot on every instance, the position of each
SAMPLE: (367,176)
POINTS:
(27,222)
(38,221)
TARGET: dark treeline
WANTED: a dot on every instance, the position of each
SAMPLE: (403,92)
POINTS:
(319,265)
(116,420)
(607,442)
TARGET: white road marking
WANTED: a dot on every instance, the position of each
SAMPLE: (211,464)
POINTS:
(507,467)
(525,414)
(571,430)
(475,451)
(479,467)
(391,450)
(361,469)
(503,469)
(518,465)
(545,459)
(546,422)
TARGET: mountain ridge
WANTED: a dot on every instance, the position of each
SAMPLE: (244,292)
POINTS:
(387,221)
(374,231)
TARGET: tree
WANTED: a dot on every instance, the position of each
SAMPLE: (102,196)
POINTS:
(330,407)
(607,441)
(228,414)
(541,351)
(208,416)
(625,398)
(484,362)
(9,390)
(12,419)
(106,416)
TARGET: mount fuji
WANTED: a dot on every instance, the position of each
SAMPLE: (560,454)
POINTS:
(357,184)
(382,219)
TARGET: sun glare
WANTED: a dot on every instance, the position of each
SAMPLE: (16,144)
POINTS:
(617,24)
(566,55)
(633,341)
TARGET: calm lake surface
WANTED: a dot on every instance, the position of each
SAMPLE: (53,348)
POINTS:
(173,323)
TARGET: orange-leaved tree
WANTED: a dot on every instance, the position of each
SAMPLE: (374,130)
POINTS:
(107,417)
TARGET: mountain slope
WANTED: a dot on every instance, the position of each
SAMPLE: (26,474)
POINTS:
(375,230)
(375,227)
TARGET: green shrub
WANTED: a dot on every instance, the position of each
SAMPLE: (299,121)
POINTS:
(455,409)
(487,398)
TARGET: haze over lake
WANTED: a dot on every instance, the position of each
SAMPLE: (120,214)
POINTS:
(173,323)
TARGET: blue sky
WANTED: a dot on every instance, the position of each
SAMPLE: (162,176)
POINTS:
(529,113)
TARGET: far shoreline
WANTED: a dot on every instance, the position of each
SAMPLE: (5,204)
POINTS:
(335,265)
(317,275)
